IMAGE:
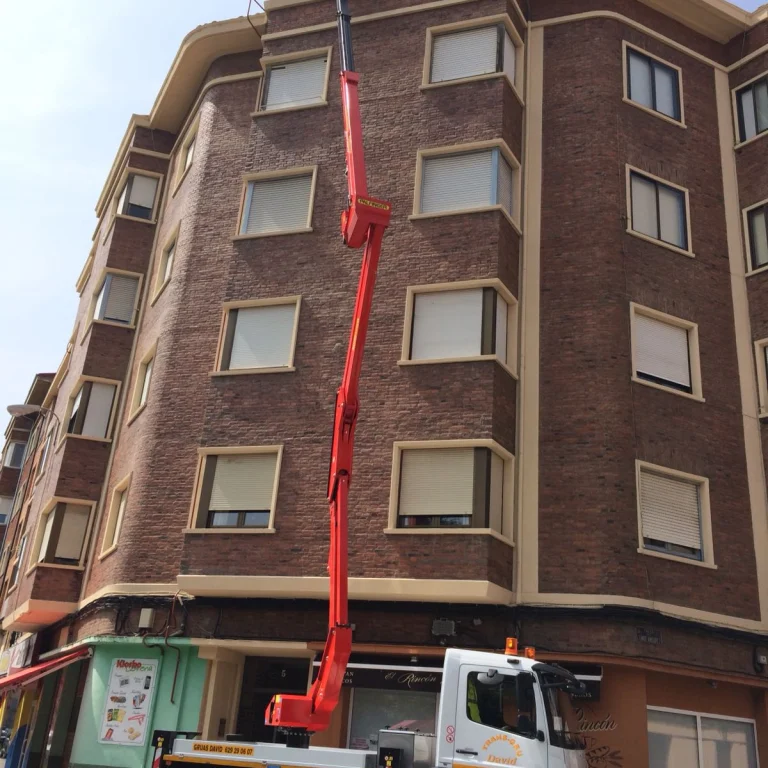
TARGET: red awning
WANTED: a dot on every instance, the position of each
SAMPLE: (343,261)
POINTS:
(30,674)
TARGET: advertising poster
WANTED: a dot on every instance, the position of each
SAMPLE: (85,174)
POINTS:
(128,702)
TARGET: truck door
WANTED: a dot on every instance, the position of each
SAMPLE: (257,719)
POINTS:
(499,720)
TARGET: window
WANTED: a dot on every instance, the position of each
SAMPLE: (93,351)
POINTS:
(261,337)
(757,236)
(6,504)
(671,511)
(14,454)
(115,300)
(761,356)
(665,351)
(658,210)
(45,453)
(653,84)
(472,53)
(238,490)
(678,739)
(295,84)
(115,515)
(461,323)
(465,181)
(189,153)
(492,701)
(143,379)
(18,562)
(166,263)
(278,205)
(61,535)
(186,152)
(137,197)
(90,410)
(752,106)
(460,487)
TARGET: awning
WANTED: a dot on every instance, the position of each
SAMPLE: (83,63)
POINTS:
(30,674)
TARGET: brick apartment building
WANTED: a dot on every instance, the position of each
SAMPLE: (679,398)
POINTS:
(562,394)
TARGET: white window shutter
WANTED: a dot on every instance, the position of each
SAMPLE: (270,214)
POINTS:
(72,535)
(465,54)
(263,337)
(96,421)
(640,79)
(644,217)
(457,182)
(243,483)
(121,299)
(666,90)
(670,510)
(502,324)
(296,84)
(672,223)
(662,350)
(510,57)
(278,205)
(748,113)
(6,505)
(447,324)
(506,186)
(436,481)
(143,191)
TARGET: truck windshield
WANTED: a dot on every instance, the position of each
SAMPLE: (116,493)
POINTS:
(561,718)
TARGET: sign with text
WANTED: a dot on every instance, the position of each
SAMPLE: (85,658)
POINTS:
(392,678)
(128,702)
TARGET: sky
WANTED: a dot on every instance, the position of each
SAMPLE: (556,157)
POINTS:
(74,73)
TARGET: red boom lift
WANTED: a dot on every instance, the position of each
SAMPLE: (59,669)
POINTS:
(362,224)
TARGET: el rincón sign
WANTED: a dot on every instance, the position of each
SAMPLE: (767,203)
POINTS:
(392,678)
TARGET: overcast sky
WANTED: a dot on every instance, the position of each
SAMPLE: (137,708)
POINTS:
(74,73)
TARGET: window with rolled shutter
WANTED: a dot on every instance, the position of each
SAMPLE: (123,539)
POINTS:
(295,84)
(6,504)
(64,534)
(277,205)
(116,300)
(472,52)
(259,337)
(670,510)
(450,487)
(241,490)
(138,196)
(662,352)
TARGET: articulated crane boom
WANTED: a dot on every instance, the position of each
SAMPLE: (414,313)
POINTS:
(363,223)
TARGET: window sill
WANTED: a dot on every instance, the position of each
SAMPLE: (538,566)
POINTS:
(474,79)
(107,552)
(757,271)
(135,414)
(660,115)
(284,110)
(747,142)
(252,371)
(126,217)
(671,390)
(464,211)
(677,558)
(278,233)
(661,243)
(87,438)
(114,324)
(55,567)
(159,291)
(472,359)
(449,531)
(229,531)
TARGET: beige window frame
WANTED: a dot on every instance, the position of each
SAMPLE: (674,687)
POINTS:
(48,447)
(146,363)
(95,296)
(625,48)
(508,489)
(457,149)
(50,507)
(227,330)
(707,546)
(308,170)
(692,329)
(85,272)
(512,323)
(115,515)
(630,169)
(70,402)
(181,167)
(735,111)
(16,564)
(748,238)
(114,214)
(160,279)
(518,86)
(270,61)
(197,513)
(7,454)
(761,363)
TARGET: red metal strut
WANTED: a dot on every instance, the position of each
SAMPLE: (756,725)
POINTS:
(363,223)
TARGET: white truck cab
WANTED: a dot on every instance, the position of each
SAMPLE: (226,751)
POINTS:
(495,710)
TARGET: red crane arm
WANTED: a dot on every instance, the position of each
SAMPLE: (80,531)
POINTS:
(362,224)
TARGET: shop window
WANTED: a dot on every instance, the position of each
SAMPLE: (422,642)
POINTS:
(499,702)
(693,740)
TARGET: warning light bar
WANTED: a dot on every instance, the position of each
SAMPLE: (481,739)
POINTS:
(511,647)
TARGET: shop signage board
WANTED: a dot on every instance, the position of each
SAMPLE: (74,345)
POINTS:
(392,678)
(128,702)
